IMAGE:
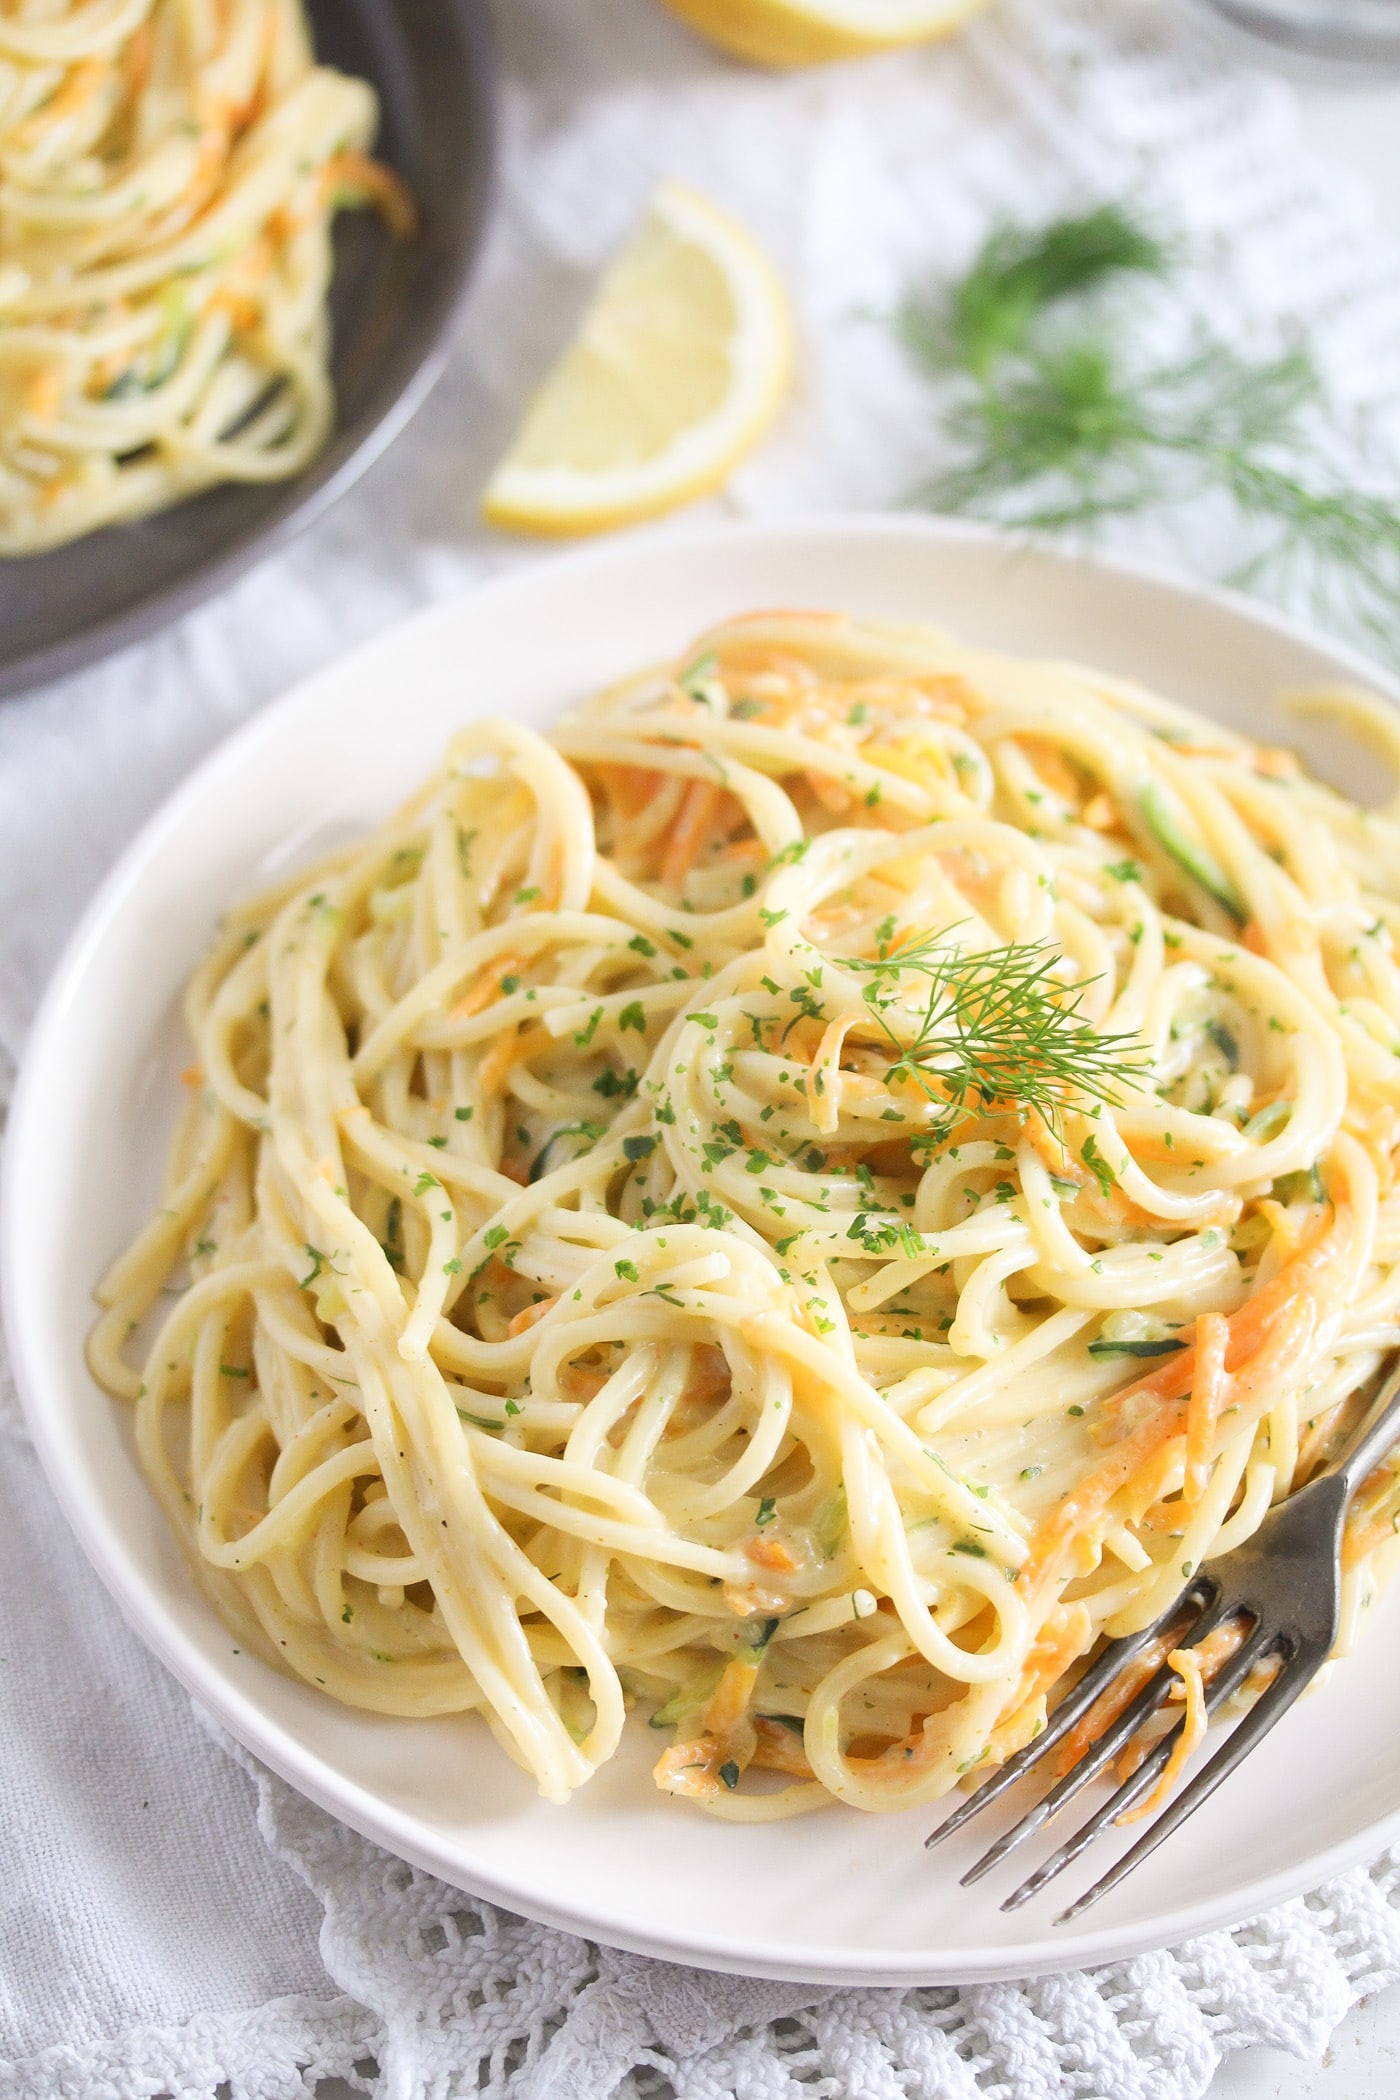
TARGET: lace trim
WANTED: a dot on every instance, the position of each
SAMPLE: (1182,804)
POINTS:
(474,2002)
(281,2051)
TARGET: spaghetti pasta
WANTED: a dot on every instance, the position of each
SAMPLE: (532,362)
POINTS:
(798,1203)
(169,173)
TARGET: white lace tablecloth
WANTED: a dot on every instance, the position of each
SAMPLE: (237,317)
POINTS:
(160,1899)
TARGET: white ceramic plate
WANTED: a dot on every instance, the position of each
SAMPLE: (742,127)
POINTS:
(835,1897)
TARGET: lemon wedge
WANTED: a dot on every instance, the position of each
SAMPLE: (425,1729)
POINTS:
(680,363)
(810,32)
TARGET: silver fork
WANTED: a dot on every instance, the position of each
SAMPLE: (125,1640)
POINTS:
(1287,1581)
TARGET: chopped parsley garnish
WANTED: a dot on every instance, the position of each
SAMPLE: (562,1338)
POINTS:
(1104,1349)
(1098,1166)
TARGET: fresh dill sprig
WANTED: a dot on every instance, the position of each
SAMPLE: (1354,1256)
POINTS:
(1018,274)
(1062,424)
(995,1028)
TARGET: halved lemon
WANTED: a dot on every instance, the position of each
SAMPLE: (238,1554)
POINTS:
(680,363)
(810,32)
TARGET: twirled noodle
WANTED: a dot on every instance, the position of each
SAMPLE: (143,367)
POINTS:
(623,1251)
(169,172)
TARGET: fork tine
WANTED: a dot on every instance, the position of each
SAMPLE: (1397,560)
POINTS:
(1071,1709)
(1100,1752)
(1138,1783)
(1271,1705)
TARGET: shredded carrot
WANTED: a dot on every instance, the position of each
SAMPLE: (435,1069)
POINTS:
(552,889)
(213,152)
(245,112)
(690,1769)
(1275,763)
(710,1376)
(908,758)
(377,185)
(1219,1646)
(1362,1539)
(104,372)
(487,989)
(771,1554)
(81,85)
(43,397)
(726,1735)
(1053,767)
(526,1319)
(1115,1699)
(1216,1648)
(1283,1227)
(1066,1633)
(1187,1664)
(629,788)
(692,828)
(491,1072)
(1276,1323)
(831,794)
(1099,813)
(136,60)
(1251,1326)
(779,1749)
(730,1699)
(1291,1336)
(582,1382)
(1209,1384)
(823,1101)
(193,1075)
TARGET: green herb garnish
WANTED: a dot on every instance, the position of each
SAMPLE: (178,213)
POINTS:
(995,1026)
(1106,1349)
(1062,418)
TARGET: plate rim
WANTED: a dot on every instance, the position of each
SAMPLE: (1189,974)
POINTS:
(324,480)
(240,1712)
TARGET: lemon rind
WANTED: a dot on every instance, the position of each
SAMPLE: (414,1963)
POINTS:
(561,502)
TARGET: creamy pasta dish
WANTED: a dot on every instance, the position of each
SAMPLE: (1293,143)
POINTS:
(791,1206)
(169,173)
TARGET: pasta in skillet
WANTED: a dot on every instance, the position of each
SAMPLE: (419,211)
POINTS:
(797,1203)
(169,174)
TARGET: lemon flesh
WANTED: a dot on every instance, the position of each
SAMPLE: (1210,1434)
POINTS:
(812,32)
(680,362)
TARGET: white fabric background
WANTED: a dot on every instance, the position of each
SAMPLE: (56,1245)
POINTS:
(158,1912)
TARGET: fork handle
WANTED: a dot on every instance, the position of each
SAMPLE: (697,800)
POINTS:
(1380,1430)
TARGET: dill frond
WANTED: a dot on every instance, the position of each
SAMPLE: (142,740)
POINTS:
(1019,272)
(996,1031)
(1348,543)
(1059,425)
(1063,416)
